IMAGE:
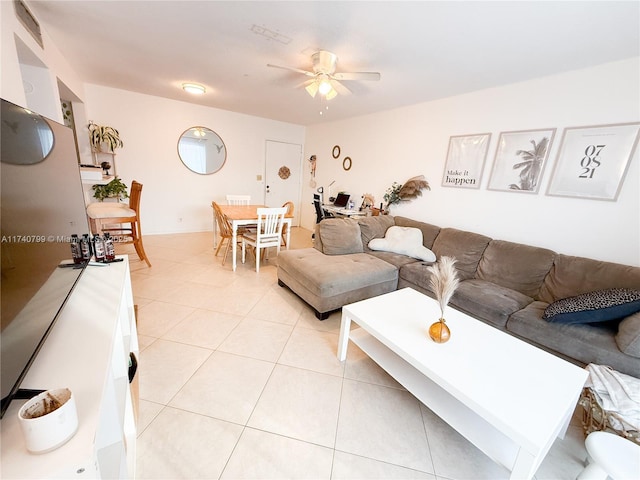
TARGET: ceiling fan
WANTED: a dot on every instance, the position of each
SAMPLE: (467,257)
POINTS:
(324,78)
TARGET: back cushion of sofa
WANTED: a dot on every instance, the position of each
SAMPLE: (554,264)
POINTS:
(317,241)
(515,266)
(374,227)
(429,232)
(571,276)
(340,236)
(465,247)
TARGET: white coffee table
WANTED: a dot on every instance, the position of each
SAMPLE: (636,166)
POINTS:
(508,398)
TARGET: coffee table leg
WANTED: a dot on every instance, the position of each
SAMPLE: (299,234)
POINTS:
(343,340)
(524,466)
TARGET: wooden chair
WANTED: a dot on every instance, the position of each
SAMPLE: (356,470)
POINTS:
(111,217)
(268,232)
(238,199)
(226,231)
(289,206)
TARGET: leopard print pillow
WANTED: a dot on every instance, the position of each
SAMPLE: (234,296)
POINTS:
(598,306)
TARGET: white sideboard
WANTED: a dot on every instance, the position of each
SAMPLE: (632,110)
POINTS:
(87,351)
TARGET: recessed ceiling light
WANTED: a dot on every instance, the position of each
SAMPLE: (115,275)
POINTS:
(194,88)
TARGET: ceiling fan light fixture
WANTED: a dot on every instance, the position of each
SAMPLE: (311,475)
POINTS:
(331,94)
(193,88)
(312,89)
(324,87)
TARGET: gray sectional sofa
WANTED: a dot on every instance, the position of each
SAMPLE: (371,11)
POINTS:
(507,285)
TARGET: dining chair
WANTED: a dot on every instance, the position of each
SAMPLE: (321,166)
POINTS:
(267,234)
(238,199)
(111,216)
(289,206)
(226,231)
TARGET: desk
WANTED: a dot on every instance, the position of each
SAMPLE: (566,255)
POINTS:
(240,215)
(343,212)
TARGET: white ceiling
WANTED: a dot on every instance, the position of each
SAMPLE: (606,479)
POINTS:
(424,50)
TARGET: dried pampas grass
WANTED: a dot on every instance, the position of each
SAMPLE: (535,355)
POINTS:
(412,188)
(444,280)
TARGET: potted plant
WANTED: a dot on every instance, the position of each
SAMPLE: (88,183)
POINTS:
(102,137)
(114,189)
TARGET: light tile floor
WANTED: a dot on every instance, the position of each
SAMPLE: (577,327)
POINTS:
(238,379)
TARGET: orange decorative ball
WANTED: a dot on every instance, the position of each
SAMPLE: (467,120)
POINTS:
(439,332)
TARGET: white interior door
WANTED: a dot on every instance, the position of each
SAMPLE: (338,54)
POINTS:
(283,175)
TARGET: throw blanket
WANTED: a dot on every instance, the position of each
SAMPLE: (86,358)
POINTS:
(617,393)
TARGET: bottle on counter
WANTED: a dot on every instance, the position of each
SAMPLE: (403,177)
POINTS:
(85,247)
(109,250)
(76,253)
(98,248)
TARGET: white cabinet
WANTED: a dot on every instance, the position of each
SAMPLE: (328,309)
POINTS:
(87,351)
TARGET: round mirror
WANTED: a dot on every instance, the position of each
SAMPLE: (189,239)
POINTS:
(27,138)
(202,150)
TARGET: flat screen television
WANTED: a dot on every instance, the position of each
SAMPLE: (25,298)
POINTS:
(41,206)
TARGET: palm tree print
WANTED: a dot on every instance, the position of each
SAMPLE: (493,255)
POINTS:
(531,165)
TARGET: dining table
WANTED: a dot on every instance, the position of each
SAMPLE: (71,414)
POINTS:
(243,215)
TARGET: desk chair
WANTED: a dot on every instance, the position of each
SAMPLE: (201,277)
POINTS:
(104,216)
(268,232)
(238,199)
(289,206)
(321,213)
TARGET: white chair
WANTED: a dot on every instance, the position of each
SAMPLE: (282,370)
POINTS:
(238,199)
(267,234)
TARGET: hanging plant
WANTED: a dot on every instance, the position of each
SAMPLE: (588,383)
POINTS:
(104,136)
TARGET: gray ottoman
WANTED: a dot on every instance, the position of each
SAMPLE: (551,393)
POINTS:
(327,282)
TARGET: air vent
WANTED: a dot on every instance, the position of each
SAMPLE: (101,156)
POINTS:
(29,21)
(270,34)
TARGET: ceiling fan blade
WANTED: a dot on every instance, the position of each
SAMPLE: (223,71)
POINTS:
(340,88)
(305,83)
(298,70)
(375,76)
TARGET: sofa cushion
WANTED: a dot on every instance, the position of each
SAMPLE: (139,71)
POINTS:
(465,247)
(429,232)
(394,259)
(572,276)
(515,266)
(585,343)
(628,337)
(329,282)
(488,301)
(340,236)
(405,241)
(592,307)
(374,227)
(416,274)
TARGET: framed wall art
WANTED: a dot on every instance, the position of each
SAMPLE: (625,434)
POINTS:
(465,160)
(592,161)
(520,160)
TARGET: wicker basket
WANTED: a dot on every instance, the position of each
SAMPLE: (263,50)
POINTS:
(595,418)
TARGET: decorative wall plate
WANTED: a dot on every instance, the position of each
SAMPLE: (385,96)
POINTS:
(346,163)
(336,151)
(284,173)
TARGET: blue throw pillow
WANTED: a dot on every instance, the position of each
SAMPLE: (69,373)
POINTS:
(598,306)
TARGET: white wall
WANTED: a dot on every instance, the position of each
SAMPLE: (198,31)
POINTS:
(401,143)
(174,199)
(44,67)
